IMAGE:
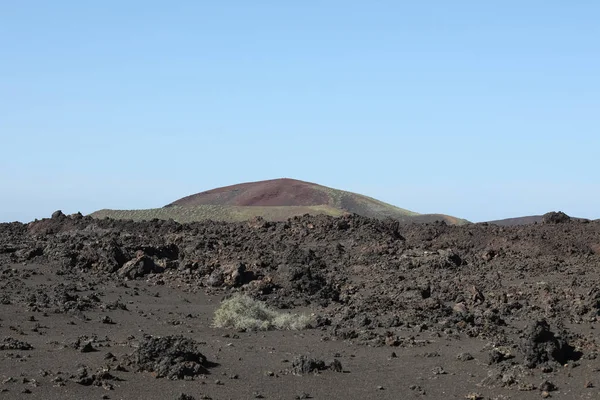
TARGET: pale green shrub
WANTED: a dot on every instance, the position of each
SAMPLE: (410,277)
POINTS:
(246,314)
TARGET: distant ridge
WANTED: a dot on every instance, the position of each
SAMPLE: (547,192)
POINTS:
(531,219)
(534,219)
(274,200)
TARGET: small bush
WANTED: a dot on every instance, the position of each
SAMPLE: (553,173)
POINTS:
(246,314)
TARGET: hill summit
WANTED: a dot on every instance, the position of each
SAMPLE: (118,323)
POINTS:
(274,192)
(274,200)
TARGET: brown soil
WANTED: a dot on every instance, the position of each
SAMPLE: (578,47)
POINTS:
(122,310)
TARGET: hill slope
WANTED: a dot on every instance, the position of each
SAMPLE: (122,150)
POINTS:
(531,219)
(274,200)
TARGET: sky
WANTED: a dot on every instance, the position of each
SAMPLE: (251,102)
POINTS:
(481,110)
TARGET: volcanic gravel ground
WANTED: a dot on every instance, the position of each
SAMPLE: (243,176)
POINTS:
(120,310)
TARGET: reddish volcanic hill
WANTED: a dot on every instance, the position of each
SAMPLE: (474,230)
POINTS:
(276,192)
(274,200)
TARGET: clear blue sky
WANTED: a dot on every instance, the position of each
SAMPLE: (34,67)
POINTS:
(477,109)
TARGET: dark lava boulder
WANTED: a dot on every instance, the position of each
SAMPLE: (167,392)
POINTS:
(540,345)
(555,218)
(58,214)
(139,266)
(216,278)
(231,276)
(174,357)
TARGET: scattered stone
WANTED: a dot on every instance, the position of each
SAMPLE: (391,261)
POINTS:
(303,365)
(99,378)
(10,343)
(391,340)
(547,386)
(87,348)
(526,387)
(58,381)
(493,378)
(116,305)
(499,354)
(335,366)
(418,389)
(438,371)
(464,357)
(508,379)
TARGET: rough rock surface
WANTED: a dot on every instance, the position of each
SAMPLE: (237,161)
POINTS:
(540,345)
(519,305)
(555,218)
(173,357)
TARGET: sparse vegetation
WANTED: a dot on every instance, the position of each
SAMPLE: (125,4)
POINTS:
(246,314)
(217,213)
(286,199)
